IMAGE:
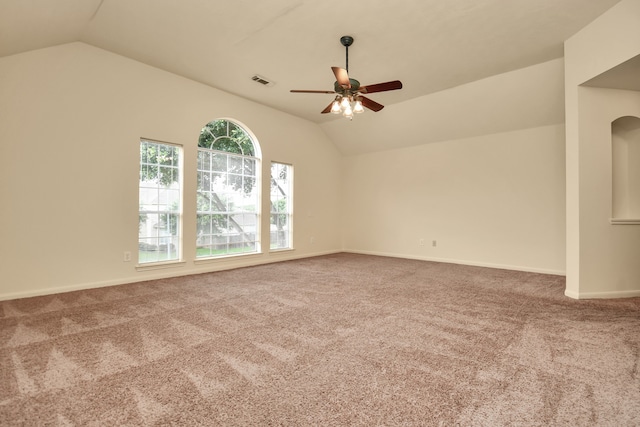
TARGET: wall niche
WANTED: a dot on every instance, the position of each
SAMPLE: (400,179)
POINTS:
(625,153)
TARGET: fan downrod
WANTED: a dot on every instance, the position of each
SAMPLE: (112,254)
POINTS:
(346,42)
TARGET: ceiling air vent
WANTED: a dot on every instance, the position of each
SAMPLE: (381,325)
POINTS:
(262,80)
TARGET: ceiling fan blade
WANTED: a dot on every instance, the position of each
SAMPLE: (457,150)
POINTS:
(342,77)
(381,87)
(312,91)
(371,104)
(327,110)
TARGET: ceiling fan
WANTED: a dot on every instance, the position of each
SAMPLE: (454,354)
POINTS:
(349,93)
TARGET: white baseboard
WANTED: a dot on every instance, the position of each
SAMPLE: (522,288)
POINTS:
(571,294)
(290,256)
(463,262)
(165,273)
(603,295)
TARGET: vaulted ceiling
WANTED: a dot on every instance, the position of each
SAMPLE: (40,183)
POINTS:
(430,45)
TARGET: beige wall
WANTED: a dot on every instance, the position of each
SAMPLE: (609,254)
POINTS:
(72,116)
(71,119)
(494,200)
(602,259)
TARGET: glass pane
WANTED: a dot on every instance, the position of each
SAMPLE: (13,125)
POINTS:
(219,128)
(204,160)
(143,152)
(226,144)
(165,155)
(149,173)
(173,224)
(219,181)
(175,151)
(200,180)
(203,224)
(243,221)
(235,164)
(165,175)
(219,162)
(217,204)
(206,139)
(235,130)
(242,139)
(235,182)
(219,222)
(203,203)
(247,147)
(173,200)
(250,167)
(152,151)
(249,185)
(144,172)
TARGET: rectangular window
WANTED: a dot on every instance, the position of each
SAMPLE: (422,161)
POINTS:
(281,206)
(228,200)
(160,201)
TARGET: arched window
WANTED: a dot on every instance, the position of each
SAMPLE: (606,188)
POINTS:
(625,153)
(228,211)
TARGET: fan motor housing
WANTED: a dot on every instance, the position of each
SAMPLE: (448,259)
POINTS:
(355,85)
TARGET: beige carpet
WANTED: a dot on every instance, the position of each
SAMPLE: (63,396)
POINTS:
(335,340)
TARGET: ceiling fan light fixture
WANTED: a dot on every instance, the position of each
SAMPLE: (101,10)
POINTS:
(357,107)
(335,107)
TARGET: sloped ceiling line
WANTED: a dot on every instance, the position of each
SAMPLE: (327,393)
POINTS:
(97,10)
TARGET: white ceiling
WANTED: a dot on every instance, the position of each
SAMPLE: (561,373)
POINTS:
(429,45)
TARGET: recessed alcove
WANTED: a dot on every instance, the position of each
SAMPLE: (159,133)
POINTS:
(625,155)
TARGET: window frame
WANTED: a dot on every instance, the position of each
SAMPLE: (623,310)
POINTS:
(173,214)
(275,210)
(206,171)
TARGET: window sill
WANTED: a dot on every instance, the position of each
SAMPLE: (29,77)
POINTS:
(160,265)
(276,251)
(624,221)
(210,260)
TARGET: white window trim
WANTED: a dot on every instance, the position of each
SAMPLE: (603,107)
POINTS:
(152,265)
(290,205)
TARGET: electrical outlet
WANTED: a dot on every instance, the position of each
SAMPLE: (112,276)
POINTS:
(434,243)
(312,240)
(126,256)
(420,242)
